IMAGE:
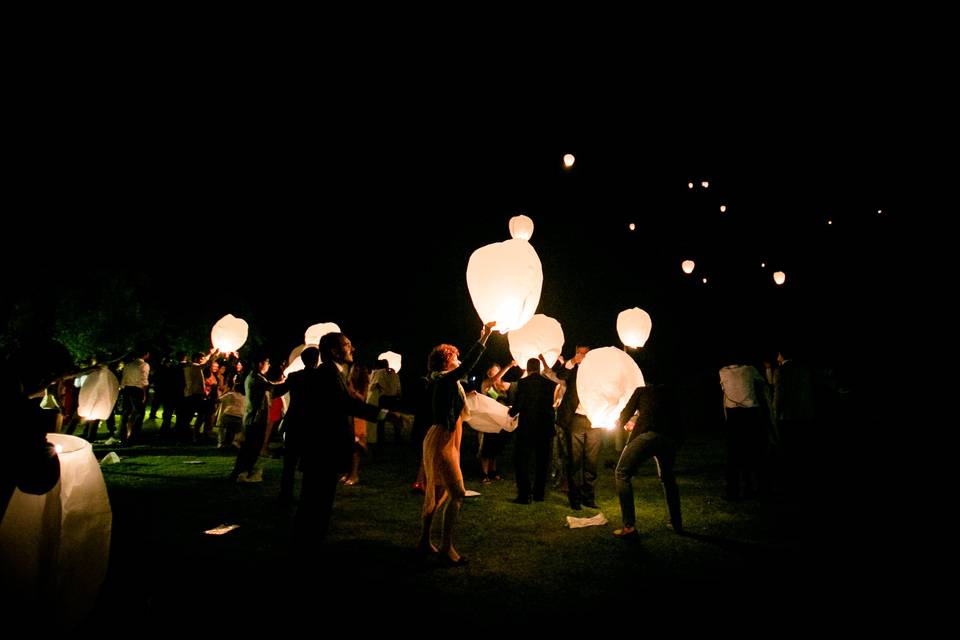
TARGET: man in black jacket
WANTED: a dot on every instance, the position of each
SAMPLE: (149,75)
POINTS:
(534,404)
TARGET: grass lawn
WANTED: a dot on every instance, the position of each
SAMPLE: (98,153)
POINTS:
(524,561)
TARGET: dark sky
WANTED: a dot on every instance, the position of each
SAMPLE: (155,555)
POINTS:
(368,219)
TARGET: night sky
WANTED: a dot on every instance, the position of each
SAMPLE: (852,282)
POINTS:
(369,223)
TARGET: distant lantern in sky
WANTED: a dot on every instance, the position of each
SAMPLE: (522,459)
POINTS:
(316,331)
(763,265)
(879,210)
(229,333)
(689,185)
(605,381)
(394,360)
(504,280)
(633,327)
(687,266)
(829,221)
(779,277)
(542,335)
(98,394)
(704,281)
(705,184)
(633,227)
(723,208)
(521,227)
(568,160)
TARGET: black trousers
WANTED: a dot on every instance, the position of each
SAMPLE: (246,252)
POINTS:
(585,443)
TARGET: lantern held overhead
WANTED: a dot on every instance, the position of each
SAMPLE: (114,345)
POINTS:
(606,380)
(229,333)
(394,360)
(542,335)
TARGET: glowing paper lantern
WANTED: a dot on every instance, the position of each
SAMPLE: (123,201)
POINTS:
(542,334)
(779,277)
(687,266)
(229,333)
(705,184)
(521,227)
(314,332)
(98,394)
(489,416)
(568,160)
(723,208)
(54,547)
(606,380)
(633,327)
(393,359)
(632,226)
(504,280)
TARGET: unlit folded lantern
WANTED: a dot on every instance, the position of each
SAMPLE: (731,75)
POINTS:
(521,227)
(606,380)
(487,415)
(633,327)
(393,359)
(317,331)
(54,547)
(229,333)
(98,394)
(504,280)
(542,335)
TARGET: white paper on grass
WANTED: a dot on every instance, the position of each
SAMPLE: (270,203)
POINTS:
(487,415)
(606,380)
(577,523)
(98,394)
(229,334)
(504,280)
(470,493)
(54,547)
(110,458)
(542,335)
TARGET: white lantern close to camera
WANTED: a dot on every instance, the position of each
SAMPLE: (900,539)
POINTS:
(314,332)
(504,280)
(606,380)
(393,359)
(687,266)
(633,327)
(542,335)
(229,333)
(54,547)
(98,394)
(521,227)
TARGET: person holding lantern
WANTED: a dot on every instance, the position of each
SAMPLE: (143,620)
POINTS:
(583,441)
(441,446)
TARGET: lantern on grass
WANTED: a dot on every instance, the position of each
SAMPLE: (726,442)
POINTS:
(521,227)
(393,359)
(54,547)
(504,280)
(779,277)
(229,333)
(633,327)
(687,266)
(487,415)
(98,394)
(542,335)
(606,380)
(314,332)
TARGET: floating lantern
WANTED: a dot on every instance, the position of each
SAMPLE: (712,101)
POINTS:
(568,161)
(504,280)
(98,394)
(54,547)
(393,359)
(229,333)
(687,266)
(542,335)
(779,277)
(633,327)
(521,227)
(314,332)
(606,380)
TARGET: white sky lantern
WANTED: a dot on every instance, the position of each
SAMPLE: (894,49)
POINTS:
(705,184)
(521,227)
(633,327)
(687,266)
(317,331)
(229,333)
(98,394)
(632,226)
(779,277)
(689,185)
(294,362)
(723,208)
(568,160)
(54,547)
(606,380)
(504,280)
(393,359)
(487,415)
(542,334)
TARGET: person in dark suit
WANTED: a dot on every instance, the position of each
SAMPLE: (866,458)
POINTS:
(650,417)
(583,441)
(325,434)
(534,405)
